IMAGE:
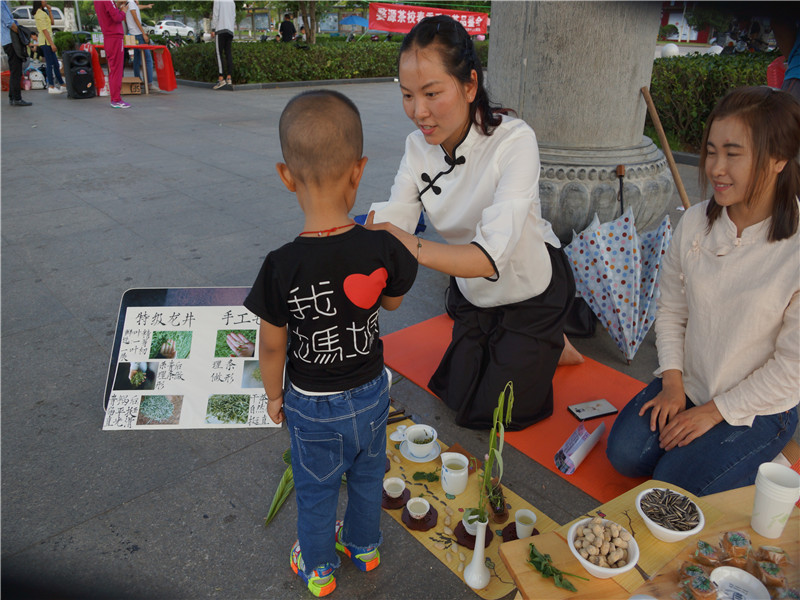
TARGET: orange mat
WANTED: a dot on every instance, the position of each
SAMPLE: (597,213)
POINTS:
(415,351)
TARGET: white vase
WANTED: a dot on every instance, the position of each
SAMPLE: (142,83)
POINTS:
(477,575)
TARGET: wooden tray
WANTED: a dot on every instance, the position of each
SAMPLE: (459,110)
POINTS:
(531,583)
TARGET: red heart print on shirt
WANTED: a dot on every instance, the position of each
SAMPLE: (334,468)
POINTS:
(364,290)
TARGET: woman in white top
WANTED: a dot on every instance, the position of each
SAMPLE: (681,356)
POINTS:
(475,172)
(728,321)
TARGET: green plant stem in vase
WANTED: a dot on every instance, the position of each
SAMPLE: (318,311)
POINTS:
(489,482)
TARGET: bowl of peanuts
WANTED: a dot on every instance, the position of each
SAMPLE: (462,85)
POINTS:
(604,548)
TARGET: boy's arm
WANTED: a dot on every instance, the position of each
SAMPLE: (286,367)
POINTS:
(391,302)
(271,360)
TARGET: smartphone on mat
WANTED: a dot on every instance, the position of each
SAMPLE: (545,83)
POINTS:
(592,409)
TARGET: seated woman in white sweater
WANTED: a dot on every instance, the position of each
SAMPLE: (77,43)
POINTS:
(728,321)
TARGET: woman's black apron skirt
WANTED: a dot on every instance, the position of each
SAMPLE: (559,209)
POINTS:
(518,342)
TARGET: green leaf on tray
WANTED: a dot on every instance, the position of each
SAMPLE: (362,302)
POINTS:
(425,475)
(544,564)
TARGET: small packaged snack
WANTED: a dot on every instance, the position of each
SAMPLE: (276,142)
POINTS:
(706,554)
(772,554)
(736,544)
(770,574)
(689,569)
(700,587)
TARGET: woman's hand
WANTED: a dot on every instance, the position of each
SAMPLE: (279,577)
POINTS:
(670,401)
(408,240)
(689,425)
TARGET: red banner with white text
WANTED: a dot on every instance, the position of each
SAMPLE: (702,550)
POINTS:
(400,18)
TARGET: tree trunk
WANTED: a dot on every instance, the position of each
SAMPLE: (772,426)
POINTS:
(309,11)
(70,23)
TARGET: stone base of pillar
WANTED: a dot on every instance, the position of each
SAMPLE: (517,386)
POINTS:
(575,184)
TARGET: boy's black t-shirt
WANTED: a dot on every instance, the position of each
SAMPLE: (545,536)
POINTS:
(327,290)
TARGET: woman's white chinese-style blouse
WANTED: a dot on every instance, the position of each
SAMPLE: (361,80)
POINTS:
(487,194)
(729,316)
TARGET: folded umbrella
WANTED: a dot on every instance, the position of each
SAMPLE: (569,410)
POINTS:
(616,272)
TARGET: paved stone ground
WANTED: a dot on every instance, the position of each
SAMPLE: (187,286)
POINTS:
(178,191)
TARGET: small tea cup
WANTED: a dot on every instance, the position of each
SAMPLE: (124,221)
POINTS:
(418,507)
(394,487)
(524,520)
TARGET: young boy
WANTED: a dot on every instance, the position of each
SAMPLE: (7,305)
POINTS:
(322,292)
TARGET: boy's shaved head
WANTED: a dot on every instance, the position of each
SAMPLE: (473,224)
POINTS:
(320,135)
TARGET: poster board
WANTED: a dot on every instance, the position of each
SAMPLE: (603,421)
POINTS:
(185,358)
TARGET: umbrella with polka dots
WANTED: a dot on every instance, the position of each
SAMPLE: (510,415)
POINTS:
(616,272)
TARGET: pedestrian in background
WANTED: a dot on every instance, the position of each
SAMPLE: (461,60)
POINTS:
(43,16)
(134,21)
(7,26)
(110,15)
(33,48)
(223,24)
(287,29)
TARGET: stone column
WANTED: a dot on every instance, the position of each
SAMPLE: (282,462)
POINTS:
(574,71)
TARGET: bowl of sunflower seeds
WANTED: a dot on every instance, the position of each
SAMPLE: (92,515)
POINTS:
(670,516)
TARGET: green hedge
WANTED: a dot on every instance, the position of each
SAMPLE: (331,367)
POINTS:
(686,88)
(64,41)
(262,62)
(265,62)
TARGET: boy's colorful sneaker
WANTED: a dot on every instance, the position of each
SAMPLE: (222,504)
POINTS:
(366,561)
(321,582)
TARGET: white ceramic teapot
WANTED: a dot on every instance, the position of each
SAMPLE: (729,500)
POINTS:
(455,472)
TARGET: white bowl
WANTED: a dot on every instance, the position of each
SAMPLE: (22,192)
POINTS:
(737,583)
(662,533)
(594,570)
(420,432)
(418,507)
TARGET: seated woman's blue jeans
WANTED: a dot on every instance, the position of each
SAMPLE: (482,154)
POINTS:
(723,458)
(51,66)
(332,435)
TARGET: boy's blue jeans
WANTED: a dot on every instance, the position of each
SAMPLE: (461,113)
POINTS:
(724,458)
(331,435)
(148,59)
